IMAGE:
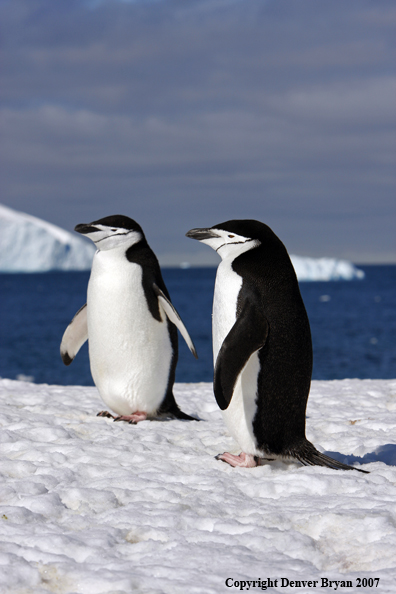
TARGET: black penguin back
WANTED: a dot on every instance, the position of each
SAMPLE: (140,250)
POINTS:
(284,378)
(141,254)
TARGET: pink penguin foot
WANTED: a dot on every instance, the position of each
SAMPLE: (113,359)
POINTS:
(133,419)
(243,460)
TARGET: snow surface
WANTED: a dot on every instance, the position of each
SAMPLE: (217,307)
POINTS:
(91,506)
(29,244)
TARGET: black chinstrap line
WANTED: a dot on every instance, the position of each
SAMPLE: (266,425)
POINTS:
(233,243)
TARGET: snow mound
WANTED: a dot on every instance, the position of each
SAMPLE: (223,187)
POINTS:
(29,244)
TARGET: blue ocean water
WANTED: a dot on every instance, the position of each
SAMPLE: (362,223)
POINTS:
(353,324)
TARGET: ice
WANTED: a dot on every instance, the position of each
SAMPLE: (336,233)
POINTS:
(325,269)
(29,244)
(92,506)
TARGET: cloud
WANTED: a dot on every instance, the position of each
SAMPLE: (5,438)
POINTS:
(203,110)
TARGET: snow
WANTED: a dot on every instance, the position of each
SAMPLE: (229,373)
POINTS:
(29,244)
(92,506)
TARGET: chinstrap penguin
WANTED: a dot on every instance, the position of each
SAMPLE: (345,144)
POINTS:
(262,346)
(130,324)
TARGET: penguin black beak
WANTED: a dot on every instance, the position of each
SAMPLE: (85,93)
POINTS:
(201,234)
(84,229)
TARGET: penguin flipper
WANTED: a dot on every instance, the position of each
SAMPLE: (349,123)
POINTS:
(174,317)
(74,336)
(244,339)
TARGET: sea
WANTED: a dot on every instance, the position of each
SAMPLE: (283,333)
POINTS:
(353,324)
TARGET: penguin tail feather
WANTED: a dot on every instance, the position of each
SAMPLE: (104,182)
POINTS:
(308,455)
(179,414)
(174,412)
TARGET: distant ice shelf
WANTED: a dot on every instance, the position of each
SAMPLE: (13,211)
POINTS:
(30,244)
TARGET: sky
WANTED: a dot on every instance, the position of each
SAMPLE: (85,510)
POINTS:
(188,113)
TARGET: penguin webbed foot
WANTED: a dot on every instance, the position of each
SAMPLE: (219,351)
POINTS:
(136,417)
(132,419)
(243,460)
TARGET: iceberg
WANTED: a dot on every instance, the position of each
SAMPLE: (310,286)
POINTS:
(325,269)
(29,244)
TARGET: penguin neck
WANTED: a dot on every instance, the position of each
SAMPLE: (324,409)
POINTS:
(141,253)
(136,248)
(229,251)
(114,253)
(122,251)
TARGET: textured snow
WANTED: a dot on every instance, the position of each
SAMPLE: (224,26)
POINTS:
(91,506)
(29,244)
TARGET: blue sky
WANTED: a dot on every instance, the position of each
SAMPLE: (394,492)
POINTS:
(186,113)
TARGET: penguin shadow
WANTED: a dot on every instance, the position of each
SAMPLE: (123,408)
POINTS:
(385,453)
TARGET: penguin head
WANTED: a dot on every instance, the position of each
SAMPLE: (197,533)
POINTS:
(229,239)
(112,232)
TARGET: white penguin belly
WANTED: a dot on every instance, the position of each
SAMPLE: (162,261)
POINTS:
(227,287)
(130,352)
(238,417)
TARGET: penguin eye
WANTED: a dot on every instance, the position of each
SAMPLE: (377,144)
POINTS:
(231,236)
